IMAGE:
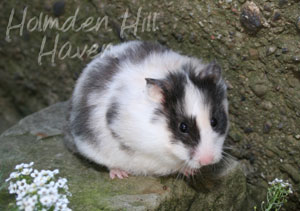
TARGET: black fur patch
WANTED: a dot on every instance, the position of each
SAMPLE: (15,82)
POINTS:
(214,95)
(80,123)
(174,93)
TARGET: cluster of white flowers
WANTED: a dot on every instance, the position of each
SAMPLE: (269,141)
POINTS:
(38,190)
(282,184)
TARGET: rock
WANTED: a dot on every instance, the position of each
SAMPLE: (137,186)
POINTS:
(267,105)
(267,127)
(8,115)
(192,38)
(248,130)
(270,146)
(235,135)
(296,59)
(284,50)
(271,50)
(298,23)
(259,89)
(251,17)
(297,136)
(268,7)
(253,53)
(280,126)
(39,138)
(59,8)
(276,16)
(290,170)
(226,199)
(178,37)
(292,82)
(281,3)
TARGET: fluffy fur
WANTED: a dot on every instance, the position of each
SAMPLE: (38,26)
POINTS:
(128,104)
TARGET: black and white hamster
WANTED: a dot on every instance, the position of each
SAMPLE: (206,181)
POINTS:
(143,109)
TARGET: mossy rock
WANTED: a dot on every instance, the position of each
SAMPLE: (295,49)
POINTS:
(39,138)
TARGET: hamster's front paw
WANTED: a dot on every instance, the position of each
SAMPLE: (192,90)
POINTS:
(117,173)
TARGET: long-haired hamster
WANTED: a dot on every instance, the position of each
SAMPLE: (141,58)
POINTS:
(143,109)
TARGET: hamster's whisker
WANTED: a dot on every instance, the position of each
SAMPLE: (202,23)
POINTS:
(228,147)
(178,175)
(227,156)
(180,172)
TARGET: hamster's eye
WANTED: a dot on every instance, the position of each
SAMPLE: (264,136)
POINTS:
(213,122)
(183,127)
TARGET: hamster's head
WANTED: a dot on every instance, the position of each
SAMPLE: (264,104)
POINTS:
(193,104)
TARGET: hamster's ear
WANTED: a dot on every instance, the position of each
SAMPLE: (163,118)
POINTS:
(155,89)
(211,71)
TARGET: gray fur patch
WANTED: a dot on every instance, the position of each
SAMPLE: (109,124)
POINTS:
(126,148)
(143,50)
(68,137)
(97,81)
(114,134)
(112,112)
(157,114)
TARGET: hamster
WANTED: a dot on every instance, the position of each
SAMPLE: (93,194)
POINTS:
(143,109)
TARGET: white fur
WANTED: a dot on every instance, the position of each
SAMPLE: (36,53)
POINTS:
(152,150)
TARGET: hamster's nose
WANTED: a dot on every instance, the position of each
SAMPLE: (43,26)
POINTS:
(206,160)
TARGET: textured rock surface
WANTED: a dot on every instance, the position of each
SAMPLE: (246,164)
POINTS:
(39,138)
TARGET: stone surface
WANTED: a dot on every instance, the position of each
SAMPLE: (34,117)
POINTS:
(39,138)
(292,171)
(251,17)
(221,195)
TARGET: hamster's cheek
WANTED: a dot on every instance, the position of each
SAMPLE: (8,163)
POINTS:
(180,151)
(219,148)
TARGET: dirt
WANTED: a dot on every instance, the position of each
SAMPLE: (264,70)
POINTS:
(262,67)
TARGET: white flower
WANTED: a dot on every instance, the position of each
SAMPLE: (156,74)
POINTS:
(38,187)
(53,198)
(28,165)
(53,191)
(64,199)
(56,171)
(43,191)
(22,184)
(47,200)
(20,204)
(13,175)
(47,173)
(26,171)
(35,173)
(20,195)
(40,181)
(61,182)
(51,184)
(60,206)
(29,203)
(31,188)
(12,188)
(20,166)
